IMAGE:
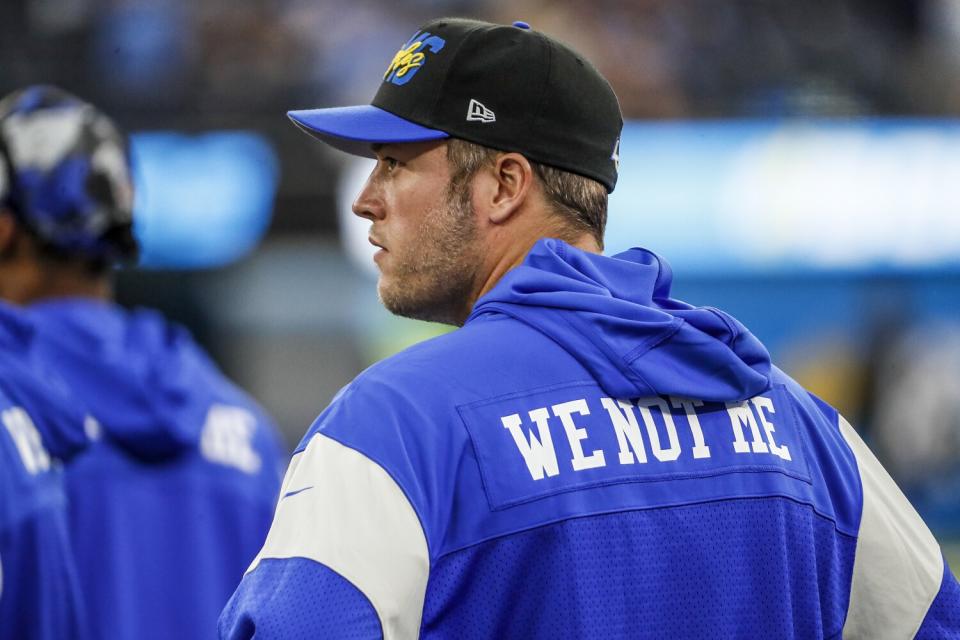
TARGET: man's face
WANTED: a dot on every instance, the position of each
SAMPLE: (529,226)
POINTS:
(427,233)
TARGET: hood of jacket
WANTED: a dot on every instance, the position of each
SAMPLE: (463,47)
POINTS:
(143,379)
(616,317)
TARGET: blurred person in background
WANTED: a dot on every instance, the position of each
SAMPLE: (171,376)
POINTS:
(40,428)
(175,493)
(586,457)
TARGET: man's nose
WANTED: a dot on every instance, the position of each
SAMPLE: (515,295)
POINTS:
(368,203)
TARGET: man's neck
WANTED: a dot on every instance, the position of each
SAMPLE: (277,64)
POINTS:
(34,285)
(100,291)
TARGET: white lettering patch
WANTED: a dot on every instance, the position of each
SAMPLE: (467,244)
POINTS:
(545,442)
(227,438)
(27,440)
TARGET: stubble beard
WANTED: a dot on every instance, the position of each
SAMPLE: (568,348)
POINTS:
(435,278)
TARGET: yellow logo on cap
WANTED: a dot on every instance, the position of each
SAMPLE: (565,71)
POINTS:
(411,56)
(405,59)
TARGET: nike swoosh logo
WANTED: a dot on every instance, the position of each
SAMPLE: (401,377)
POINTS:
(296,491)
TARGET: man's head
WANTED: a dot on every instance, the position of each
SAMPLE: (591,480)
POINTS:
(444,212)
(66,195)
(488,138)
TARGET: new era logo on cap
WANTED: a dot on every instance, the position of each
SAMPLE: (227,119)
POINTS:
(476,112)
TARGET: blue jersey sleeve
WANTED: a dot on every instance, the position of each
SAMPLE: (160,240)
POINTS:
(279,599)
(346,556)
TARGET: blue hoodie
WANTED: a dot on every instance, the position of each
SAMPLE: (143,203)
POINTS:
(40,427)
(589,458)
(173,499)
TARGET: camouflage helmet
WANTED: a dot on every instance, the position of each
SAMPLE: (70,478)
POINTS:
(65,174)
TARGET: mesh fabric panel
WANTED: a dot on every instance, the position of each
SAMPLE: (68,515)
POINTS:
(747,568)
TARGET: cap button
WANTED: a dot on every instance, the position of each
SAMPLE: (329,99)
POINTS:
(520,24)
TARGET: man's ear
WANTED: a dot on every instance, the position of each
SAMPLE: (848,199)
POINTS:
(8,232)
(510,185)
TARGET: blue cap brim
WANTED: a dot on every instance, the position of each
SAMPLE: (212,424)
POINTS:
(355,129)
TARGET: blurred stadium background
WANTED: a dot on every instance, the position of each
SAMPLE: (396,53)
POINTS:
(798,163)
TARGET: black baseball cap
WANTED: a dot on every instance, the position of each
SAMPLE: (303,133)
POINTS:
(506,87)
(66,174)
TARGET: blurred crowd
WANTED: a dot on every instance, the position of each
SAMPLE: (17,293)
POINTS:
(665,58)
(226,64)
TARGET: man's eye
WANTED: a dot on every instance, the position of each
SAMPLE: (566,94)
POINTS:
(391,163)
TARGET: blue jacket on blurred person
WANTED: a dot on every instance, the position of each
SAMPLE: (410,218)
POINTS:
(40,427)
(175,493)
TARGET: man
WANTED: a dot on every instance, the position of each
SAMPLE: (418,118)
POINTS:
(40,598)
(174,496)
(585,457)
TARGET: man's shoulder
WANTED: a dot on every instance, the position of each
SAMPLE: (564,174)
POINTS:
(16,330)
(457,359)
(409,401)
(805,401)
(30,480)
